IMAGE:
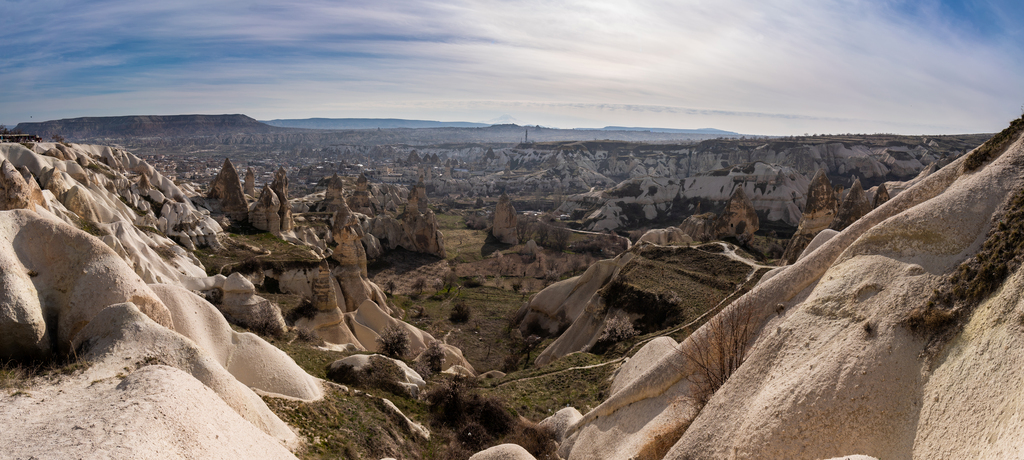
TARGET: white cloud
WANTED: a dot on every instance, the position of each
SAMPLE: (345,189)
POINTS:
(772,66)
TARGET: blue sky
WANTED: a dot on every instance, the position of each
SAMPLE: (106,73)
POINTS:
(751,66)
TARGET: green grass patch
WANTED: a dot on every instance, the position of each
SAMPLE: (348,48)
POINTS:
(482,339)
(537,393)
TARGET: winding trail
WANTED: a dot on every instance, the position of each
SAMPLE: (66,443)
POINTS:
(730,252)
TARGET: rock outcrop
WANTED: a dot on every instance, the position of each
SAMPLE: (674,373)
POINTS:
(700,227)
(280,187)
(738,219)
(851,349)
(881,196)
(250,183)
(854,206)
(52,291)
(359,201)
(242,306)
(334,197)
(665,236)
(818,214)
(504,226)
(265,213)
(227,190)
(16,192)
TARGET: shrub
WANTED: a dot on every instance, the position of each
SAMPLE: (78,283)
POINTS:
(419,285)
(511,363)
(380,373)
(344,374)
(476,222)
(265,320)
(460,312)
(305,334)
(433,356)
(384,374)
(539,442)
(393,341)
(474,436)
(718,351)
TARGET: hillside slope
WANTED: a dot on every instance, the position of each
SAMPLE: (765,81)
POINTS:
(897,338)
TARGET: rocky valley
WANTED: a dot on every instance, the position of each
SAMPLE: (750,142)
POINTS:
(217,287)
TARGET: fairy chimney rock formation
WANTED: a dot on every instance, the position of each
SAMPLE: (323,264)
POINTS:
(881,196)
(227,189)
(250,182)
(325,297)
(265,212)
(280,187)
(738,219)
(818,214)
(144,183)
(16,192)
(854,206)
(359,201)
(334,198)
(504,227)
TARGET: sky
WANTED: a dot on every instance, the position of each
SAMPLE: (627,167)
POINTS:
(771,67)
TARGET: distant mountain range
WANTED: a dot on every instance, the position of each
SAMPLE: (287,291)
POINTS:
(167,131)
(369,123)
(147,126)
(667,130)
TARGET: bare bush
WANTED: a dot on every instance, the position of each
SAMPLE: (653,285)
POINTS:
(460,312)
(419,285)
(305,334)
(539,442)
(560,238)
(716,351)
(393,341)
(433,356)
(476,222)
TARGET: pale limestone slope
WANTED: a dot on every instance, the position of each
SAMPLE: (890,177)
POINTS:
(817,383)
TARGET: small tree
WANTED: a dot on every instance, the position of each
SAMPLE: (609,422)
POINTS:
(419,285)
(393,341)
(460,312)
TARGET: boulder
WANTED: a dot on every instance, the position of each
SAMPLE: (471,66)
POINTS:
(530,248)
(411,380)
(241,305)
(560,422)
(503,452)
(227,189)
(504,227)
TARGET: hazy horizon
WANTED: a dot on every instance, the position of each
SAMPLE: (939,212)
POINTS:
(753,67)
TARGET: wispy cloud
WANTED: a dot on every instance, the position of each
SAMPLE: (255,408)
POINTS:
(771,66)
